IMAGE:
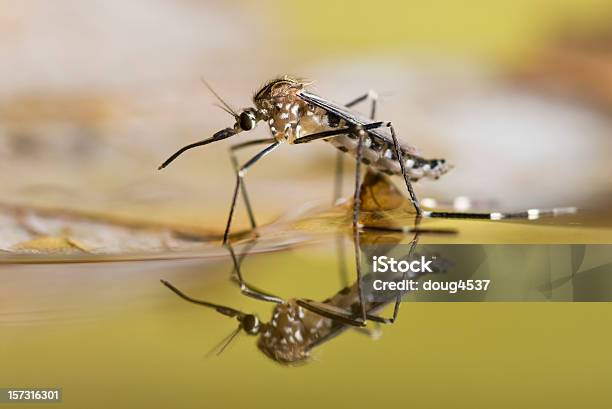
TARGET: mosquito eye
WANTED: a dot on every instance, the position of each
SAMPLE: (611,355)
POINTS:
(250,324)
(247,122)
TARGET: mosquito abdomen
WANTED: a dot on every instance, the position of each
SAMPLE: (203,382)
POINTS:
(382,156)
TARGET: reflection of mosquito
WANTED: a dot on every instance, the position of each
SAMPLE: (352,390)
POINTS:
(299,325)
(297,116)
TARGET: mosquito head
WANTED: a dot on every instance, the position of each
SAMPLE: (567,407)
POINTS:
(250,324)
(246,120)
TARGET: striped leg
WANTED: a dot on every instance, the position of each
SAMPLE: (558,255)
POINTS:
(339,155)
(239,179)
(234,160)
(530,214)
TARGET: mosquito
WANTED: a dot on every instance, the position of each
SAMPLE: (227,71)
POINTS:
(297,116)
(298,325)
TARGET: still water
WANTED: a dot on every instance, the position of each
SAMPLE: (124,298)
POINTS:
(111,335)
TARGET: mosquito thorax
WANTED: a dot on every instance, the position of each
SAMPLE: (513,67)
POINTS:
(286,338)
(280,106)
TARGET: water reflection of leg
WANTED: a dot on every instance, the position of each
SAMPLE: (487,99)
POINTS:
(398,298)
(230,312)
(341,257)
(245,288)
(240,258)
(362,311)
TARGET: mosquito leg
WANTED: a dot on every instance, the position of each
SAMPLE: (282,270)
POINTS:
(398,152)
(230,312)
(357,100)
(530,214)
(243,189)
(336,132)
(339,315)
(356,211)
(406,230)
(342,265)
(240,258)
(239,177)
(373,97)
(340,247)
(245,288)
(339,155)
(339,176)
(333,313)
(413,244)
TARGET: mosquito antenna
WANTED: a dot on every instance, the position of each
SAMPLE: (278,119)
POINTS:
(225,104)
(226,110)
(220,347)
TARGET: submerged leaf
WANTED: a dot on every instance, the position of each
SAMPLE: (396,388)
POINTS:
(382,205)
(48,244)
(27,230)
(379,194)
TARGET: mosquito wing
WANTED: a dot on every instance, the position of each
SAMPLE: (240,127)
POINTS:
(351,117)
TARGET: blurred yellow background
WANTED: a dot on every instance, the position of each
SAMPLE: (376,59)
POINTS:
(94,95)
(501,31)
